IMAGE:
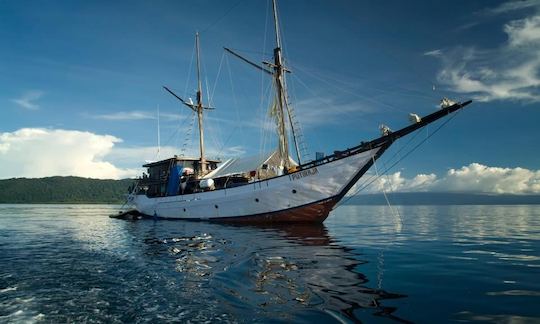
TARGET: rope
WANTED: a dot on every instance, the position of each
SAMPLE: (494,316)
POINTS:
(347,91)
(188,133)
(216,138)
(374,177)
(384,193)
(190,70)
(212,24)
(211,98)
(401,159)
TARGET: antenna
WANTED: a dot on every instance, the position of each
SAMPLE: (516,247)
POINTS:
(158,134)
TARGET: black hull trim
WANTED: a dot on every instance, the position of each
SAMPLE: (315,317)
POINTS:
(362,171)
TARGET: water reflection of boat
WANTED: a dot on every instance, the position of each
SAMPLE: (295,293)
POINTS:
(276,272)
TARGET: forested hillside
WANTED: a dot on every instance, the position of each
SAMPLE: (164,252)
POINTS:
(63,190)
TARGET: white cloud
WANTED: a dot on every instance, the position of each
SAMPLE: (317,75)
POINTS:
(481,178)
(524,32)
(317,111)
(508,72)
(126,115)
(513,6)
(436,53)
(28,99)
(396,182)
(38,152)
(474,177)
(137,115)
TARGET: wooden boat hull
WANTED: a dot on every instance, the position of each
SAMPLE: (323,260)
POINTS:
(305,196)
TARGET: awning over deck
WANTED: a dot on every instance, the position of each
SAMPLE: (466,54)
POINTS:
(246,165)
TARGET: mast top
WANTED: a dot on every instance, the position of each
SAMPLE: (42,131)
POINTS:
(281,107)
(276,23)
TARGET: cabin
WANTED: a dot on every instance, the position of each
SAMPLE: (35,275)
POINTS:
(181,175)
(164,178)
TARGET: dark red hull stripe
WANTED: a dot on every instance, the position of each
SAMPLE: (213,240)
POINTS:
(315,212)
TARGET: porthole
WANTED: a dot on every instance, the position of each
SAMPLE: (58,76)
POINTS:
(184,209)
(294,191)
(257,199)
(216,206)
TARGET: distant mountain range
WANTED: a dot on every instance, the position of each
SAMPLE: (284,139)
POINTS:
(63,190)
(443,198)
(53,190)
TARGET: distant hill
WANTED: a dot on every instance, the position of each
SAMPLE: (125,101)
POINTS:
(443,198)
(84,190)
(63,190)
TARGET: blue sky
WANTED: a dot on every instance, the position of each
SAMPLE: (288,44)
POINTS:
(81,82)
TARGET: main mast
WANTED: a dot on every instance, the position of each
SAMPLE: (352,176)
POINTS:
(200,107)
(282,102)
(283,148)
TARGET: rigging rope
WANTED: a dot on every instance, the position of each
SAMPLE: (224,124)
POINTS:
(190,70)
(396,154)
(347,91)
(395,212)
(235,102)
(401,159)
(216,134)
(211,99)
(188,133)
(215,22)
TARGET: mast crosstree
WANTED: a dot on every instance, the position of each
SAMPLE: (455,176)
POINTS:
(280,109)
(197,107)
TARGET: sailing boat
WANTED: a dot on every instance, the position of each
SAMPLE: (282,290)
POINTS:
(273,189)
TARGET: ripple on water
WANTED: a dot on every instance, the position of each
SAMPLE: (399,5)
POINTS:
(74,264)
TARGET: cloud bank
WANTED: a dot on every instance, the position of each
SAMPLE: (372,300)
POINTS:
(474,177)
(510,71)
(38,152)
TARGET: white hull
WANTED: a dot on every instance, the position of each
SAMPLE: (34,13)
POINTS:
(317,186)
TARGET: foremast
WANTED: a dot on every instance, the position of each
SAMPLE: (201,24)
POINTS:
(198,108)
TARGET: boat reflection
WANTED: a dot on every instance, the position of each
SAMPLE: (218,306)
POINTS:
(318,272)
(277,272)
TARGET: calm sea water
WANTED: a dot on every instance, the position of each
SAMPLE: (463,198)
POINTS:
(72,263)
